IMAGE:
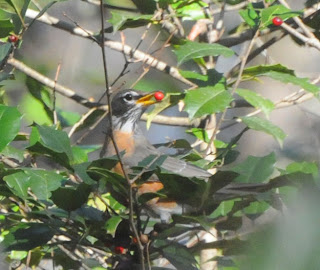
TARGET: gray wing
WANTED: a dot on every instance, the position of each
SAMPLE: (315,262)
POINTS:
(170,164)
(183,168)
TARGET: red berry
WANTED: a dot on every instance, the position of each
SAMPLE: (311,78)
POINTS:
(277,21)
(158,95)
(13,39)
(119,250)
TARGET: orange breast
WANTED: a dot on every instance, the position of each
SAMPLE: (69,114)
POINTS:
(149,187)
(125,142)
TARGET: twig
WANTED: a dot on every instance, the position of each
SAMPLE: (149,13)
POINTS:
(115,45)
(177,23)
(236,39)
(295,98)
(143,36)
(97,3)
(67,92)
(229,8)
(235,86)
(314,42)
(81,121)
(146,70)
(9,162)
(299,22)
(55,116)
(125,66)
(106,204)
(72,256)
(92,127)
(149,60)
(292,99)
(131,208)
(255,53)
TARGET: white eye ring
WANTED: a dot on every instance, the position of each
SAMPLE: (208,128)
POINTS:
(128,97)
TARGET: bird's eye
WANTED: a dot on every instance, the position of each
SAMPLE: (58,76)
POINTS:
(128,97)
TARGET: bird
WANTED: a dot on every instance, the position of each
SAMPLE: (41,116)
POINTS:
(127,107)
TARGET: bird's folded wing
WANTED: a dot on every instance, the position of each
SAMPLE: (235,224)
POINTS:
(183,168)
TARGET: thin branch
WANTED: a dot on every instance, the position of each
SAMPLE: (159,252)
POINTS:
(255,53)
(72,256)
(67,92)
(229,8)
(115,45)
(147,69)
(235,39)
(55,116)
(314,42)
(97,3)
(149,60)
(235,86)
(9,162)
(177,23)
(131,208)
(92,127)
(298,21)
(293,99)
(81,121)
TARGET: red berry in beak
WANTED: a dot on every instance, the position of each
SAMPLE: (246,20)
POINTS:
(158,95)
(277,21)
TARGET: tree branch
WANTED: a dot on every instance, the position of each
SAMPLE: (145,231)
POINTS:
(115,45)
(67,92)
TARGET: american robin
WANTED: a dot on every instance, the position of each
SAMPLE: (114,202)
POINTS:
(127,107)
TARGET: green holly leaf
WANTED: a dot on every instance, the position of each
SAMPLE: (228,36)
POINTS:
(265,126)
(207,100)
(10,119)
(192,50)
(255,169)
(259,102)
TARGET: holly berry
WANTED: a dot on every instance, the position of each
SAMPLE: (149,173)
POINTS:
(13,39)
(158,95)
(277,21)
(119,250)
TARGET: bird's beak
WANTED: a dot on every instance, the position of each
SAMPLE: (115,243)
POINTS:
(147,100)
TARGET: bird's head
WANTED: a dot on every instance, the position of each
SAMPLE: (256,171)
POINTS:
(127,107)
